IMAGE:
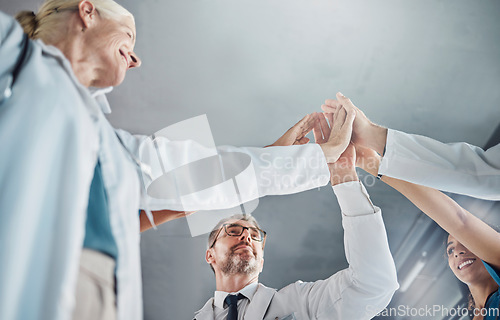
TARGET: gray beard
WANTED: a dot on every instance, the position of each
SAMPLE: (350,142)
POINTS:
(234,264)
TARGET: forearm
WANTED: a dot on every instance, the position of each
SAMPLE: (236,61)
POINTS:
(159,217)
(456,167)
(371,266)
(258,172)
(434,203)
(340,174)
(469,230)
(376,138)
(366,287)
(477,236)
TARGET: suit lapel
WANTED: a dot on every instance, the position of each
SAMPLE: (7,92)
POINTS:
(207,312)
(260,303)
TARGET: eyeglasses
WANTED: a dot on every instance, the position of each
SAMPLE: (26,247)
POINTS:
(236,230)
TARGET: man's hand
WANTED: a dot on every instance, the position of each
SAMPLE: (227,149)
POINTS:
(365,133)
(297,134)
(334,141)
(344,169)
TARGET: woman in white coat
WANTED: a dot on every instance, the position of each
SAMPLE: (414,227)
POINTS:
(63,165)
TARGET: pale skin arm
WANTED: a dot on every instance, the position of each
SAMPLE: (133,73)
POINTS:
(365,133)
(472,232)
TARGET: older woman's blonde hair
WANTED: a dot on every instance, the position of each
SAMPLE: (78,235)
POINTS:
(47,23)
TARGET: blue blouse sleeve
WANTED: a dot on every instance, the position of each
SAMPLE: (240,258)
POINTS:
(495,274)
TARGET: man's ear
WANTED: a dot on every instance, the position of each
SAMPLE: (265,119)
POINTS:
(209,256)
(87,13)
(261,265)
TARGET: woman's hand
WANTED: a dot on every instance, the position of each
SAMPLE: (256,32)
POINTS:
(334,140)
(296,135)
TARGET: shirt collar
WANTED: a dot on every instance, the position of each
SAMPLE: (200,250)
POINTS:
(247,291)
(99,94)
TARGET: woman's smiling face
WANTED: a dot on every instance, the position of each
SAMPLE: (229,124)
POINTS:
(466,266)
(113,42)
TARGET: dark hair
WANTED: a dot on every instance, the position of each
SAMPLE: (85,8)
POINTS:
(471,305)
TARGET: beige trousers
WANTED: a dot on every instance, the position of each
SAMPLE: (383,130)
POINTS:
(95,290)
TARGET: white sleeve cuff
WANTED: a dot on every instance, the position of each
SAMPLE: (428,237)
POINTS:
(353,199)
(390,145)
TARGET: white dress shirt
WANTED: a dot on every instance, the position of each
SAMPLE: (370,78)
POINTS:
(358,292)
(454,167)
(220,310)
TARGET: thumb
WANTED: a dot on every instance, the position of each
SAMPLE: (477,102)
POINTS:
(345,132)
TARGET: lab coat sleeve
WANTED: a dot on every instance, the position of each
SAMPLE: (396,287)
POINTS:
(367,285)
(454,167)
(249,173)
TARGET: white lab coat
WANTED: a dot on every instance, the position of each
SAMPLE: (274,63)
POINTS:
(52,131)
(454,167)
(358,292)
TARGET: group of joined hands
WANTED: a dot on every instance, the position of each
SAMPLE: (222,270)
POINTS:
(346,136)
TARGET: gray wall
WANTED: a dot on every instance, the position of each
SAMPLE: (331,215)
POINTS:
(256,67)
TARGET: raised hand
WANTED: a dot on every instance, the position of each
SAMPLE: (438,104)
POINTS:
(296,135)
(334,140)
(365,133)
(344,169)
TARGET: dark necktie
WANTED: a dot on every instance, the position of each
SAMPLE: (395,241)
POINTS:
(232,301)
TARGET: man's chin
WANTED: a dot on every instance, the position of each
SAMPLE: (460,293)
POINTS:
(246,255)
(242,265)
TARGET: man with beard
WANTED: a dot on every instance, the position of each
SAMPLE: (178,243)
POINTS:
(236,250)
